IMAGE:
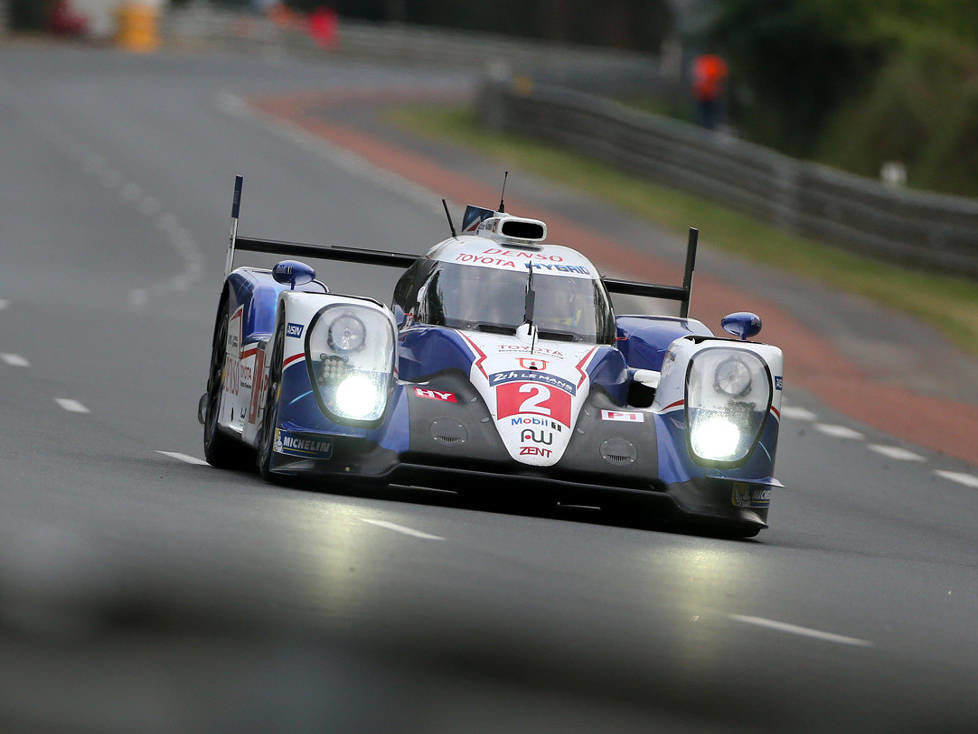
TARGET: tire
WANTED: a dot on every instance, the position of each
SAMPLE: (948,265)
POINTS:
(220,449)
(266,436)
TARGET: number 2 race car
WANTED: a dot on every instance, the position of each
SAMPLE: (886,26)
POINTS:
(500,368)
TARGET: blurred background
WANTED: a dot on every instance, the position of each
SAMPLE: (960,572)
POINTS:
(855,84)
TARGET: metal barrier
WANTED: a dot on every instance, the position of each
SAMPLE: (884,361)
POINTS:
(934,231)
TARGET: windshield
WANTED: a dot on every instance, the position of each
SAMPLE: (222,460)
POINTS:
(488,299)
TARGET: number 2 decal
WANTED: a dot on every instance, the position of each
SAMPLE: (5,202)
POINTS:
(514,398)
(532,404)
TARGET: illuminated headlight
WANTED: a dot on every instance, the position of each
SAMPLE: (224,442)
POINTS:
(350,354)
(732,377)
(715,437)
(728,394)
(357,397)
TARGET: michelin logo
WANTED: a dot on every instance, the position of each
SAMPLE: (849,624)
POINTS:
(295,330)
(306,447)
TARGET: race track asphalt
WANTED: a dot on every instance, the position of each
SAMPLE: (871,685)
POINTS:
(140,591)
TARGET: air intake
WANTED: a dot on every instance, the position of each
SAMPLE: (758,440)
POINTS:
(523,229)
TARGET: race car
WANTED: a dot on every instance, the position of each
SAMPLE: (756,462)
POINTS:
(499,368)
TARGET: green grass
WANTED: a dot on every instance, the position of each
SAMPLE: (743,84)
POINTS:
(949,304)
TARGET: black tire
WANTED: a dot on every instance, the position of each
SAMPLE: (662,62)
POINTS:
(266,436)
(220,449)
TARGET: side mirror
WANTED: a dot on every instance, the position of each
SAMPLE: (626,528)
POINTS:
(743,324)
(293,273)
(649,378)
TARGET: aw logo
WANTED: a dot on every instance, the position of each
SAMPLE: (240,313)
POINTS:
(544,437)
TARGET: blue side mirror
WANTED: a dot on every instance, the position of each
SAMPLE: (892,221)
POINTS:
(293,273)
(743,324)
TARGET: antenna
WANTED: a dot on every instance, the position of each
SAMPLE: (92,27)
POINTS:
(235,212)
(450,225)
(502,195)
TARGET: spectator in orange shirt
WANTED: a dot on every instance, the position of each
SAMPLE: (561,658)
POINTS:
(709,74)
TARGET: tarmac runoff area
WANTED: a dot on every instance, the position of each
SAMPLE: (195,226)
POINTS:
(812,361)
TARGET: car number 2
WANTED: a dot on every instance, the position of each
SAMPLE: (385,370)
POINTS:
(513,398)
(533,404)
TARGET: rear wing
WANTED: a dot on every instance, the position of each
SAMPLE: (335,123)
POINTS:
(344,253)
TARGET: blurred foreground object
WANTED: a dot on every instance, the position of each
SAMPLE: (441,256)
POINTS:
(709,74)
(137,26)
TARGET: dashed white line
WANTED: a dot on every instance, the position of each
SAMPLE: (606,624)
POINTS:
(185,458)
(4,303)
(895,452)
(93,162)
(131,192)
(111,178)
(149,206)
(400,529)
(968,480)
(72,406)
(837,431)
(798,414)
(794,629)
(15,360)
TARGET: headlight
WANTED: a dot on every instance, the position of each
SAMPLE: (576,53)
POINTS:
(728,393)
(350,356)
(357,396)
(732,377)
(346,333)
(715,437)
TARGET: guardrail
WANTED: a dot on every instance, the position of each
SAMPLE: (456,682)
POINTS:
(930,230)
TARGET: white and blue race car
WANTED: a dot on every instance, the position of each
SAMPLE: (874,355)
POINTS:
(500,368)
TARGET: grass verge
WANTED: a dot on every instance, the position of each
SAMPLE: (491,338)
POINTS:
(947,303)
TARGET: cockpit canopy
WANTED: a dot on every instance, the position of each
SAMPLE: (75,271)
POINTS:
(494,300)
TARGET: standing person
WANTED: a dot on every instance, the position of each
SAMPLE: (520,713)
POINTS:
(709,74)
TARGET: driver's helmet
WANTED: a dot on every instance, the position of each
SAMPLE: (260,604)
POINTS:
(562,307)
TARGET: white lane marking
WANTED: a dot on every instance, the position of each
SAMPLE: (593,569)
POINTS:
(15,360)
(895,452)
(186,249)
(794,629)
(796,413)
(185,458)
(138,297)
(968,480)
(4,303)
(72,406)
(149,206)
(111,178)
(836,431)
(131,192)
(400,529)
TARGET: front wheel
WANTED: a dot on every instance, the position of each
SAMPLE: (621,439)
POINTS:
(220,449)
